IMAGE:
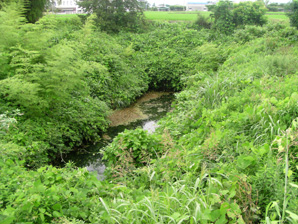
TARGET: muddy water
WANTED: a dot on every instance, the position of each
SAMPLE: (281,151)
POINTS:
(145,113)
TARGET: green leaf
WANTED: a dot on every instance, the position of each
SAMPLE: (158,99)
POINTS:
(292,215)
(56,214)
(222,220)
(41,217)
(57,207)
(176,216)
(7,220)
(245,161)
(224,207)
(294,185)
(42,210)
(215,214)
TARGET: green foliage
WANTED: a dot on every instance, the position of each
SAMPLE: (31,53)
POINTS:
(248,33)
(10,21)
(228,16)
(276,7)
(249,13)
(211,57)
(215,126)
(115,15)
(223,155)
(34,9)
(166,16)
(222,14)
(130,150)
(177,8)
(292,13)
(203,22)
(47,194)
(7,119)
(46,78)
(160,51)
(109,72)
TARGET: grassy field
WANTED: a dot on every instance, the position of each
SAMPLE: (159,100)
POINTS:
(173,16)
(184,16)
(63,16)
(192,16)
(279,16)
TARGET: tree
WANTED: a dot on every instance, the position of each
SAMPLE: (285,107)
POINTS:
(223,16)
(227,16)
(292,13)
(249,13)
(34,9)
(177,8)
(144,4)
(114,15)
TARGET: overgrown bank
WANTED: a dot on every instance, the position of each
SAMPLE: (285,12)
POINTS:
(217,158)
(65,77)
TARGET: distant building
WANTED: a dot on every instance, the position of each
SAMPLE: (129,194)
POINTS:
(202,6)
(71,6)
(163,7)
(67,6)
(197,6)
(238,1)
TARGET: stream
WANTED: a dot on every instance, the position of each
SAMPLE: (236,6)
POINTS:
(145,113)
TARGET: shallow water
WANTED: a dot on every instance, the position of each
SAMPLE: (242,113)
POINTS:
(145,113)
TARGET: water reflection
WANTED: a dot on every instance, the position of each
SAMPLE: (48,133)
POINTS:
(150,126)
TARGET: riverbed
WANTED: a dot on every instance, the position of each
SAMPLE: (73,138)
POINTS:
(144,113)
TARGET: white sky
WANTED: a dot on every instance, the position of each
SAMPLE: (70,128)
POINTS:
(183,2)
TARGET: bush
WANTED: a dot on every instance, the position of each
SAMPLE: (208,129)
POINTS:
(114,16)
(47,194)
(292,13)
(131,149)
(228,16)
(203,22)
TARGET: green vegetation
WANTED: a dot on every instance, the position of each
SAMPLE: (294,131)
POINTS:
(276,7)
(115,15)
(63,16)
(226,153)
(293,13)
(192,16)
(278,17)
(177,8)
(228,16)
(186,16)
(34,9)
(172,16)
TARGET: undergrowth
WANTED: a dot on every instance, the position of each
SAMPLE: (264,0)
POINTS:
(227,153)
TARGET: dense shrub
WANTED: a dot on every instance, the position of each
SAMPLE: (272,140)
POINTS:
(225,154)
(214,123)
(228,16)
(292,13)
(130,150)
(162,51)
(203,22)
(115,15)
